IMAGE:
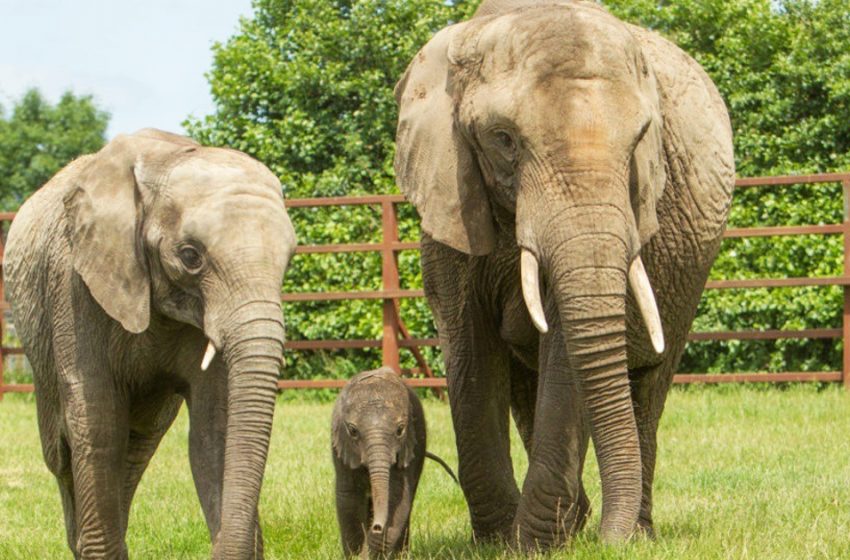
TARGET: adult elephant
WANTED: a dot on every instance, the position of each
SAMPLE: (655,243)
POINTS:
(559,156)
(121,271)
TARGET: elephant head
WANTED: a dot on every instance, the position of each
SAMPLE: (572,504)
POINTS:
(373,427)
(161,230)
(542,126)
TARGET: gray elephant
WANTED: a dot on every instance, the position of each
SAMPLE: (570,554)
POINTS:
(568,168)
(378,439)
(122,270)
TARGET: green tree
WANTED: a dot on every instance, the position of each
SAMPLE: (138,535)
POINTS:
(307,86)
(37,139)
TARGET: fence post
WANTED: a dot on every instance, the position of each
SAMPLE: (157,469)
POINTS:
(845,335)
(389,277)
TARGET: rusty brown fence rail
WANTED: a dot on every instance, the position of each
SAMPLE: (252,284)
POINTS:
(397,338)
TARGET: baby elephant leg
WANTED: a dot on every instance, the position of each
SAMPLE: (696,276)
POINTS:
(352,508)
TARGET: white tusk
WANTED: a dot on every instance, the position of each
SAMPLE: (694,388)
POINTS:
(529,272)
(208,356)
(639,282)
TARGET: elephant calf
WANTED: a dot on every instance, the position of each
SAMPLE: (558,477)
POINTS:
(378,434)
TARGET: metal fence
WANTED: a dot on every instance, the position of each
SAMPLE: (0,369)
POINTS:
(397,338)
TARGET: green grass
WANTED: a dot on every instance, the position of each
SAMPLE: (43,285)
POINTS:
(743,472)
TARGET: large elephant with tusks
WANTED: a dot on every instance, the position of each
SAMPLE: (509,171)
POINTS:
(573,174)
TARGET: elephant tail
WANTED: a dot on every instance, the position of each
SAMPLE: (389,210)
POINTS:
(437,459)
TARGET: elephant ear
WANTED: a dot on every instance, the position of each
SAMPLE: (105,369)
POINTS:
(648,175)
(344,447)
(434,165)
(415,419)
(105,211)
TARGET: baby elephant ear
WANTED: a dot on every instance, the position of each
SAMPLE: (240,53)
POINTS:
(344,447)
(415,431)
(104,212)
(435,167)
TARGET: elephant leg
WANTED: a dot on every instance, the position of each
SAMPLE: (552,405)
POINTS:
(96,421)
(66,492)
(650,386)
(56,452)
(478,376)
(207,403)
(151,416)
(554,505)
(523,400)
(352,507)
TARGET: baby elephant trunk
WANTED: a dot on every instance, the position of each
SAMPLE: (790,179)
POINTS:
(380,461)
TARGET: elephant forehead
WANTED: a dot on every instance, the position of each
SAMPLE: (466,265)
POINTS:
(197,176)
(377,399)
(570,40)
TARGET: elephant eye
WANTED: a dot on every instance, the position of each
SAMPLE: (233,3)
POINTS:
(352,431)
(400,430)
(191,258)
(505,141)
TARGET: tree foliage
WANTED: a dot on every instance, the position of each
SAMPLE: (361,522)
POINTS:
(37,139)
(306,86)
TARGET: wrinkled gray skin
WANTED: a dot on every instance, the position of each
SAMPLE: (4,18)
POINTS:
(378,437)
(120,270)
(555,128)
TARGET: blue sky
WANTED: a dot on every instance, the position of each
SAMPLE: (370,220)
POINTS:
(144,62)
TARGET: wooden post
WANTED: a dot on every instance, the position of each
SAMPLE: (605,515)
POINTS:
(389,276)
(845,338)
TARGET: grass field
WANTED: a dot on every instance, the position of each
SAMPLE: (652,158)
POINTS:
(743,473)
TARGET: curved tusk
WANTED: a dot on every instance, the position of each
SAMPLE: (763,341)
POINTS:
(209,354)
(529,272)
(639,282)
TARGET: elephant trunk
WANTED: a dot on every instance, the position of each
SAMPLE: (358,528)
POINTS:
(253,353)
(379,465)
(587,257)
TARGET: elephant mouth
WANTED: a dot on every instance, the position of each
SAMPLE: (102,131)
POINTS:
(638,280)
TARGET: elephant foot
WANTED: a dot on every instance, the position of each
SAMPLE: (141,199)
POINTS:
(493,531)
(617,535)
(533,534)
(645,528)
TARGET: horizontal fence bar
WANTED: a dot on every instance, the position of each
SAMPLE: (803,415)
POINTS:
(764,335)
(17,388)
(781,180)
(777,282)
(826,229)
